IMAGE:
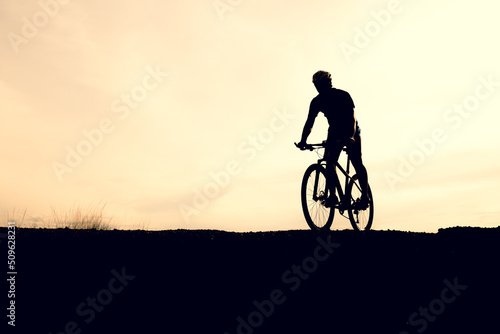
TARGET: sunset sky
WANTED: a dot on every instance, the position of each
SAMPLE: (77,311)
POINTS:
(183,114)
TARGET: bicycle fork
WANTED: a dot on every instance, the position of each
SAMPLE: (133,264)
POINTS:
(315,190)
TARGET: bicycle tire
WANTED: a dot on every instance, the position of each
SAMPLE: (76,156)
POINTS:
(318,216)
(361,220)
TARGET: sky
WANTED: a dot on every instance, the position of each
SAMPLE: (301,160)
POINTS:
(182,115)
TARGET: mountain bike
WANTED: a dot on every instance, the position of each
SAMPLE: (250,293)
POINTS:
(319,204)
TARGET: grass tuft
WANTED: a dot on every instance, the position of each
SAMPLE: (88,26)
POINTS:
(91,218)
(16,216)
(78,217)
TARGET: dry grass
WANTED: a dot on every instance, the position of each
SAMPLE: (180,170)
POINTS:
(90,218)
(16,216)
(78,217)
(143,225)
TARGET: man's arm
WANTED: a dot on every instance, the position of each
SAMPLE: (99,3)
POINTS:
(309,123)
(307,129)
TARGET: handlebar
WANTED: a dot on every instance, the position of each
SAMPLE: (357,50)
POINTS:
(311,147)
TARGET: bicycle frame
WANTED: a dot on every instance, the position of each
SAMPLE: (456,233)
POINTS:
(345,172)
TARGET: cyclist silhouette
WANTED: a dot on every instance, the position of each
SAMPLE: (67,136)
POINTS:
(338,108)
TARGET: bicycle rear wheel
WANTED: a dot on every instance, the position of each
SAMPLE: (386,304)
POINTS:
(314,195)
(361,218)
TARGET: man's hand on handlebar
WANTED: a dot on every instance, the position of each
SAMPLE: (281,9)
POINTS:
(302,145)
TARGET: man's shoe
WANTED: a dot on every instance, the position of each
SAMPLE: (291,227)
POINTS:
(331,201)
(362,203)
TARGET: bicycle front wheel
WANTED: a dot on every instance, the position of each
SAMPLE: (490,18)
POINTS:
(314,195)
(361,218)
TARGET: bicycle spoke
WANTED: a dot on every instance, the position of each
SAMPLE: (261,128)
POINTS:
(317,215)
(361,219)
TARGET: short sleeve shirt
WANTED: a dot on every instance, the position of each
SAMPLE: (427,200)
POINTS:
(338,108)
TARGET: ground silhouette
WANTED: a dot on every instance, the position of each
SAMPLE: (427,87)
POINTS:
(192,281)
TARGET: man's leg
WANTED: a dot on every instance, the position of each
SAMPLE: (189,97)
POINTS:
(332,153)
(357,162)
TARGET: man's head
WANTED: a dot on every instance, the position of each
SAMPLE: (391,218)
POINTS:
(322,80)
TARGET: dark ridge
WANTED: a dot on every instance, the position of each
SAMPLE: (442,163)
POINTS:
(208,281)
